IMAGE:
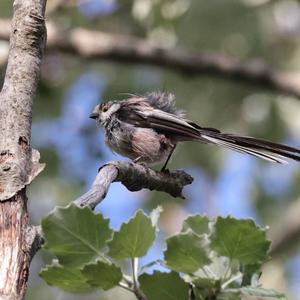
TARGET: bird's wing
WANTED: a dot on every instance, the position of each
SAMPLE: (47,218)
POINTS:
(160,121)
(184,129)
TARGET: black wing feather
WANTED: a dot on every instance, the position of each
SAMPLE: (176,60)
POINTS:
(141,113)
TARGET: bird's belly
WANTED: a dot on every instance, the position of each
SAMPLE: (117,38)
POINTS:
(150,146)
(143,144)
(121,147)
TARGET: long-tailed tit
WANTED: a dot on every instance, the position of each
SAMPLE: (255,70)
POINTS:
(147,129)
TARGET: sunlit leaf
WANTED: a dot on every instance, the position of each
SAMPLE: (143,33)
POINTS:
(134,238)
(68,279)
(197,223)
(75,235)
(186,252)
(241,240)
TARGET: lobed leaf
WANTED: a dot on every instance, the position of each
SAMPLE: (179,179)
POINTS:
(75,235)
(198,224)
(241,240)
(68,279)
(133,239)
(186,252)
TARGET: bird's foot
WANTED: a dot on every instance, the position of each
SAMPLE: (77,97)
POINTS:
(165,170)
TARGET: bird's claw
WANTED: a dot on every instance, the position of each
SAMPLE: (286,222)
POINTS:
(164,170)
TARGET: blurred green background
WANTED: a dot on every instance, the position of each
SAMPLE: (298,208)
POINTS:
(225,182)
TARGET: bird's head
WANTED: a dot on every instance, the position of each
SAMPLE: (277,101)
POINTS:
(103,112)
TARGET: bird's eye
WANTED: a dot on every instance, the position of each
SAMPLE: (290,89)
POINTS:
(104,107)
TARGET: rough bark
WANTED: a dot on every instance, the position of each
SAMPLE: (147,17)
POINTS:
(135,177)
(18,161)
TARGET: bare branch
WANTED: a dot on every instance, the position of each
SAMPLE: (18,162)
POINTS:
(99,45)
(135,177)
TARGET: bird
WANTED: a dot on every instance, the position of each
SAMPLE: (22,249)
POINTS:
(147,128)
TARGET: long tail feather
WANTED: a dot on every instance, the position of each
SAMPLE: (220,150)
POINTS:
(264,149)
(157,112)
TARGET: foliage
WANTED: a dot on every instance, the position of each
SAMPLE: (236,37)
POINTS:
(209,259)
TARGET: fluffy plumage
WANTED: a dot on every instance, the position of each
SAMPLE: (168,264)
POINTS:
(147,128)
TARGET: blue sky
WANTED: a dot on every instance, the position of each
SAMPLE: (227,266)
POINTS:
(230,193)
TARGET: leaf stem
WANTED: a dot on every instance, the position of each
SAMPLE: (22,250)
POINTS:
(151,264)
(227,269)
(127,279)
(225,284)
(135,271)
(125,286)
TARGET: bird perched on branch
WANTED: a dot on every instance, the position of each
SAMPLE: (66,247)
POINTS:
(147,129)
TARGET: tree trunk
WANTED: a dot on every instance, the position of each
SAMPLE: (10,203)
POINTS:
(18,161)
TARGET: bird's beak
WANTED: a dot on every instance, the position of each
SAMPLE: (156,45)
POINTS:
(94,115)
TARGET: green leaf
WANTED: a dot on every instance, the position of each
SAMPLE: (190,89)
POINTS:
(134,238)
(260,292)
(75,235)
(206,288)
(186,252)
(207,283)
(241,240)
(197,223)
(103,275)
(164,286)
(230,295)
(251,274)
(65,278)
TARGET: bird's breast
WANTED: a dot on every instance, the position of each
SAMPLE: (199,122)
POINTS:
(137,142)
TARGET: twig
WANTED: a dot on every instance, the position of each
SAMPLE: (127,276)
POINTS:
(135,177)
(140,295)
(133,286)
(100,45)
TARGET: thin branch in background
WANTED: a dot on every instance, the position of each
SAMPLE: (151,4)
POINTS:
(90,44)
(99,45)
